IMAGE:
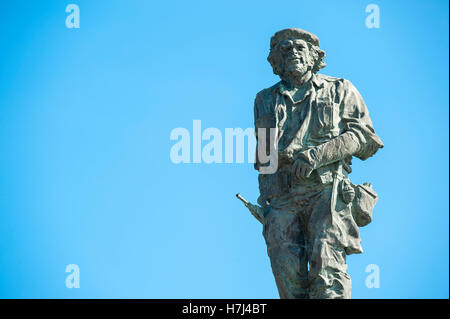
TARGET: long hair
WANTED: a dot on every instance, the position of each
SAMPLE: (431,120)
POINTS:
(315,52)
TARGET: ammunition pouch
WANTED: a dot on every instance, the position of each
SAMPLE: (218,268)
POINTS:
(363,204)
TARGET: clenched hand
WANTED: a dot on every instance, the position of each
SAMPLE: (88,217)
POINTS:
(301,168)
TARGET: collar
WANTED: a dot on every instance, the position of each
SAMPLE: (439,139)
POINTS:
(317,81)
(314,80)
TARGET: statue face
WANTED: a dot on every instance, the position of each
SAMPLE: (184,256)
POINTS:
(295,57)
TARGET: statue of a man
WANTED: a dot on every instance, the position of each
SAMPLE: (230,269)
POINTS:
(311,211)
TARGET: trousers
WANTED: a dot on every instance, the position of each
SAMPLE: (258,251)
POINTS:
(306,260)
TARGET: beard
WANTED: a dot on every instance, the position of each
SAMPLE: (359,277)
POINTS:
(296,69)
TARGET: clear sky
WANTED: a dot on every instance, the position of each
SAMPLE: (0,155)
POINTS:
(85,120)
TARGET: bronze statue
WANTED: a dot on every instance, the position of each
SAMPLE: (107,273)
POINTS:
(310,210)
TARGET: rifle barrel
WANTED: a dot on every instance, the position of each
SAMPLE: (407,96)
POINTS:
(242,198)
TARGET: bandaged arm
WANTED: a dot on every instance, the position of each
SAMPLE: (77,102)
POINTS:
(358,137)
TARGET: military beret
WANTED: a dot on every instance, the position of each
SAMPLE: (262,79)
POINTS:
(293,33)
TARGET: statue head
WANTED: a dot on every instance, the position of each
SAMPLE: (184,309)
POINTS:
(294,52)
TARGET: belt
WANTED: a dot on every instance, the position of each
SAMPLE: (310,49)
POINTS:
(279,183)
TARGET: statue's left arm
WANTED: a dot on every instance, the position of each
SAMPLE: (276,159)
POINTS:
(358,136)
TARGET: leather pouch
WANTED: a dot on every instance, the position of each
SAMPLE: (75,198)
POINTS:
(363,204)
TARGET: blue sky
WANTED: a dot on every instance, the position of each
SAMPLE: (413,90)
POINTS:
(85,120)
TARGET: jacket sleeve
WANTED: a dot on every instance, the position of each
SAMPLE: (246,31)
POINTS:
(355,119)
(256,112)
(263,119)
(358,137)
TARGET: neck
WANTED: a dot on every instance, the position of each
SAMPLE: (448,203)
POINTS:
(296,81)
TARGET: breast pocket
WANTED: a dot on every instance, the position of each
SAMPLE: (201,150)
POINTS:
(327,116)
